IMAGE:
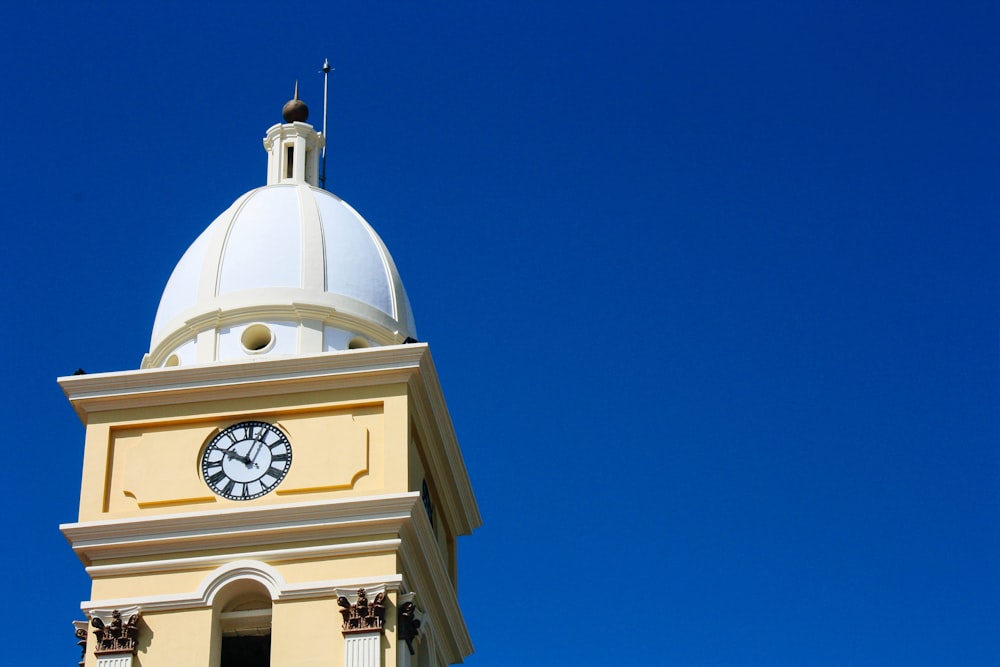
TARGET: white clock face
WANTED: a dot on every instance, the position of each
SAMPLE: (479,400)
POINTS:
(246,460)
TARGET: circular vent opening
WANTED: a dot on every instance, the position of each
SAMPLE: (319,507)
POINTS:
(257,338)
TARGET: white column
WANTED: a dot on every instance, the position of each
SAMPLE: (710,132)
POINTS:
(299,159)
(115,660)
(363,650)
(272,166)
(312,165)
(403,657)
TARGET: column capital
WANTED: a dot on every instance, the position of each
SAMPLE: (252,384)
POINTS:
(362,615)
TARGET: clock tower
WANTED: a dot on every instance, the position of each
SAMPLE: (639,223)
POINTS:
(279,483)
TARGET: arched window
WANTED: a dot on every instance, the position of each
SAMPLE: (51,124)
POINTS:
(243,613)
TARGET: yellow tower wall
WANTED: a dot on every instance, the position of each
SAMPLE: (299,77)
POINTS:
(367,430)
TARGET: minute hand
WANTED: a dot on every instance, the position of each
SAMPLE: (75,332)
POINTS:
(252,459)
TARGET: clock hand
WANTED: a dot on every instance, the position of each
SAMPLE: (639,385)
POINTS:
(236,455)
(252,458)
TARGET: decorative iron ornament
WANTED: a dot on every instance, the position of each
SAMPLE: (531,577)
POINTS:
(363,615)
(116,637)
(408,624)
(81,639)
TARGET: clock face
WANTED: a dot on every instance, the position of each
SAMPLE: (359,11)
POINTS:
(246,460)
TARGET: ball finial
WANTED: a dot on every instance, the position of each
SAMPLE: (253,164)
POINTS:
(295,109)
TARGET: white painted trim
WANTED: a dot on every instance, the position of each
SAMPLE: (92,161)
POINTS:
(272,303)
(391,582)
(257,571)
(106,613)
(272,555)
(241,379)
(443,452)
(352,593)
(239,527)
(241,570)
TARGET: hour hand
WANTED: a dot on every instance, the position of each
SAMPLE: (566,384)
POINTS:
(236,455)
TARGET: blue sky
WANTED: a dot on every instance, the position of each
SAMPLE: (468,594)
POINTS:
(712,288)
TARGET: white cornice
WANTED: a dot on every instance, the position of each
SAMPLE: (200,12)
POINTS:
(443,452)
(354,548)
(186,384)
(239,528)
(282,591)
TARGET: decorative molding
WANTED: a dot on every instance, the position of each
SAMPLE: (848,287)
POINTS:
(363,615)
(240,528)
(270,555)
(241,570)
(240,379)
(266,575)
(114,635)
(444,456)
(274,304)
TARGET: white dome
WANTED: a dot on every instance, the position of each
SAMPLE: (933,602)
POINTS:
(287,269)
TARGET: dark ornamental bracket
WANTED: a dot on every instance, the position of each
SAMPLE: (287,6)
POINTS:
(116,636)
(407,624)
(363,616)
